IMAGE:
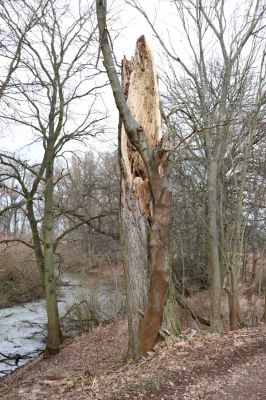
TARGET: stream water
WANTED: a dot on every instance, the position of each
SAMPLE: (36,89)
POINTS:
(80,298)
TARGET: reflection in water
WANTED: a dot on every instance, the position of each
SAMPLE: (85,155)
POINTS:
(23,327)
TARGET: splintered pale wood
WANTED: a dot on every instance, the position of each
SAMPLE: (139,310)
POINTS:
(140,84)
(137,213)
(141,89)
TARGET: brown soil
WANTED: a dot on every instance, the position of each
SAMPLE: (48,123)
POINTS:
(91,366)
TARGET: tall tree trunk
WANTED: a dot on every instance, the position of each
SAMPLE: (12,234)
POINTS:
(255,260)
(54,334)
(145,208)
(234,312)
(134,233)
(263,283)
(213,239)
(37,242)
(144,176)
(264,314)
(159,271)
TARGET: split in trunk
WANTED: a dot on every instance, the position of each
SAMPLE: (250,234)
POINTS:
(146,194)
(145,207)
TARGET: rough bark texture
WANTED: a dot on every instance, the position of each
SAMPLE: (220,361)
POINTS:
(255,260)
(214,261)
(37,242)
(53,334)
(145,207)
(159,271)
(141,121)
(140,87)
(264,315)
(263,286)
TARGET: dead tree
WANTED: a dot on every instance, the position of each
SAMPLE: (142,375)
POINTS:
(146,193)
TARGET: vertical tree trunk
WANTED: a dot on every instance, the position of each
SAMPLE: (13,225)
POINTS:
(54,334)
(233,306)
(255,260)
(145,207)
(37,242)
(147,193)
(135,259)
(159,272)
(214,260)
(263,284)
(264,315)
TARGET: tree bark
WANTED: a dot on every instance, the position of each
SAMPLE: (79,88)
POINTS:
(146,196)
(54,334)
(145,207)
(37,242)
(264,314)
(263,283)
(233,308)
(255,260)
(214,260)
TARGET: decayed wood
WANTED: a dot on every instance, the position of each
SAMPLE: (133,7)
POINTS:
(146,194)
(136,205)
(141,89)
(144,206)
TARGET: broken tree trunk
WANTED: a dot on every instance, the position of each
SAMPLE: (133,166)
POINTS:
(145,207)
(146,196)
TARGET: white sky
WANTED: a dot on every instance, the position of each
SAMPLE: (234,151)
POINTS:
(19,139)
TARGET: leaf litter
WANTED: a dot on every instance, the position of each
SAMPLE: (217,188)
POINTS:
(197,365)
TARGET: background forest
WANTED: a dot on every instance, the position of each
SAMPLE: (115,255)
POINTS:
(62,203)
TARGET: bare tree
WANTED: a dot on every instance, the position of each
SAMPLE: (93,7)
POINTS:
(15,25)
(59,73)
(211,97)
(144,156)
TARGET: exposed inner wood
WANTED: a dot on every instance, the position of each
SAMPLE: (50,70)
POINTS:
(141,88)
(137,199)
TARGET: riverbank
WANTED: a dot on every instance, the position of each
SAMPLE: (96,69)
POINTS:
(19,277)
(92,367)
(83,301)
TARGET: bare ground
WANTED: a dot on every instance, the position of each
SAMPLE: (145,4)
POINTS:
(91,366)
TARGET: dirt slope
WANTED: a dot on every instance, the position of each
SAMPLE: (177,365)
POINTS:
(213,367)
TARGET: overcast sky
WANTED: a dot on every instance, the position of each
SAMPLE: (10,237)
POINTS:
(130,25)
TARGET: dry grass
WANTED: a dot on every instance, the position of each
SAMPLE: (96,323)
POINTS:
(72,257)
(250,300)
(19,277)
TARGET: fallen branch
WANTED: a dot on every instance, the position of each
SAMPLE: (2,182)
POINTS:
(186,307)
(16,357)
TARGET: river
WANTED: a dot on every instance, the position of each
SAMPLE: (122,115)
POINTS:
(81,298)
